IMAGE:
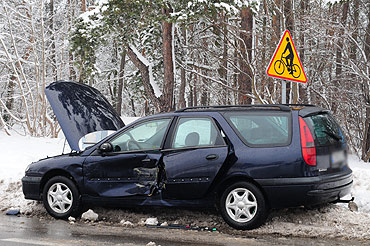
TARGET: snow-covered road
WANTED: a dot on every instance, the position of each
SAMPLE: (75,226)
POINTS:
(331,221)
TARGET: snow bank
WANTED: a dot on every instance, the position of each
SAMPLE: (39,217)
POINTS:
(16,152)
(361,183)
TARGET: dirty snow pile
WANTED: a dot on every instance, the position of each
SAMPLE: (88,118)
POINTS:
(90,215)
(16,152)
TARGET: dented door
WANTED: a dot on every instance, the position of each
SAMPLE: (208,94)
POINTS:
(123,174)
(197,153)
(132,167)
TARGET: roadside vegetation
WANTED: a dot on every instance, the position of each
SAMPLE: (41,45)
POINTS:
(152,56)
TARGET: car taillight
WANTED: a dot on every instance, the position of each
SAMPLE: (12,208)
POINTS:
(308,144)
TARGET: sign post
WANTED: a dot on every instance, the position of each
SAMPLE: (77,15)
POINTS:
(283,91)
(286,65)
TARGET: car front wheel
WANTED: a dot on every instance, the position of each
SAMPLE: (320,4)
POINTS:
(61,198)
(243,207)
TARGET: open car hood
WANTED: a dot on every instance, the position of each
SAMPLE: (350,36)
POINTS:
(81,109)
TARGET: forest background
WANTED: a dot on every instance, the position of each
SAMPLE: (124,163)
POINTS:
(156,56)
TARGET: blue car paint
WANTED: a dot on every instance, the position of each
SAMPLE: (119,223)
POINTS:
(189,169)
(80,110)
(270,168)
(115,176)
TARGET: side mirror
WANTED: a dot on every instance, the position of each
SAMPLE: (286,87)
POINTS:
(106,147)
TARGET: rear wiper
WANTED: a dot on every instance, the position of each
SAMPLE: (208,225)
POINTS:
(333,135)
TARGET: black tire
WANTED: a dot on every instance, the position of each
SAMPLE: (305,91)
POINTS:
(243,214)
(296,71)
(279,67)
(61,198)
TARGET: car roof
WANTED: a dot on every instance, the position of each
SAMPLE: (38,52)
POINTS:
(304,109)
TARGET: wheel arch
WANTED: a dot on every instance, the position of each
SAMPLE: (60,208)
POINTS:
(56,172)
(234,179)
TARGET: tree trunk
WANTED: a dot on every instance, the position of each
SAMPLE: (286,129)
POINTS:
(83,6)
(366,140)
(10,98)
(72,72)
(190,96)
(245,47)
(367,39)
(302,88)
(81,72)
(366,91)
(356,5)
(338,69)
(120,82)
(195,90)
(168,80)
(183,77)
(264,46)
(144,70)
(223,69)
(53,63)
(236,72)
(276,25)
(289,25)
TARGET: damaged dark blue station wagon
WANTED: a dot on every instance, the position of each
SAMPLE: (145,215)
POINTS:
(243,159)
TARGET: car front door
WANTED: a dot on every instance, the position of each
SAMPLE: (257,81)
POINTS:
(131,168)
(196,154)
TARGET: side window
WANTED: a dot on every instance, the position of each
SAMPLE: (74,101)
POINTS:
(262,129)
(192,132)
(145,136)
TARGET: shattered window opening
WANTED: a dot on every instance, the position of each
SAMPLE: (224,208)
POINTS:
(145,136)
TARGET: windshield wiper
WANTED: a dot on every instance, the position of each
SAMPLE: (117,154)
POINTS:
(333,135)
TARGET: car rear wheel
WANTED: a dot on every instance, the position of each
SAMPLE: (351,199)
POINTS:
(243,207)
(61,198)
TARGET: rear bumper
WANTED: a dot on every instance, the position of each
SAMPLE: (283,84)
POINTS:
(289,192)
(31,187)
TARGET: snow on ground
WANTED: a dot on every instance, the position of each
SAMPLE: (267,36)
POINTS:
(330,221)
(16,153)
(361,186)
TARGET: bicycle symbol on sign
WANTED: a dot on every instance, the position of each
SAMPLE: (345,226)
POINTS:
(280,65)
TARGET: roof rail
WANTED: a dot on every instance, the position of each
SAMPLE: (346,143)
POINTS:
(282,107)
(303,105)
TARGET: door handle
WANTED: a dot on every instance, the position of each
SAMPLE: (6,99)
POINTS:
(146,160)
(212,157)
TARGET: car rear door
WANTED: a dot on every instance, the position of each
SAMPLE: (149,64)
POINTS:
(196,153)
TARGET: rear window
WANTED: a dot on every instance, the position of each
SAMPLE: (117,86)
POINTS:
(261,129)
(325,128)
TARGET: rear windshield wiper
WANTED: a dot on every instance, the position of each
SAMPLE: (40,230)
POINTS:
(333,135)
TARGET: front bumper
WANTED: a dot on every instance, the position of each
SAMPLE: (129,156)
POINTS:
(31,187)
(291,192)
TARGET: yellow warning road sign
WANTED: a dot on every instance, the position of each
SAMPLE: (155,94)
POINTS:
(285,64)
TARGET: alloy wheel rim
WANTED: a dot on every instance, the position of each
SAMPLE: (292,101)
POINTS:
(241,205)
(60,198)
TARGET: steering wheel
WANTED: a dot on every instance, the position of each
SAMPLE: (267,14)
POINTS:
(131,144)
